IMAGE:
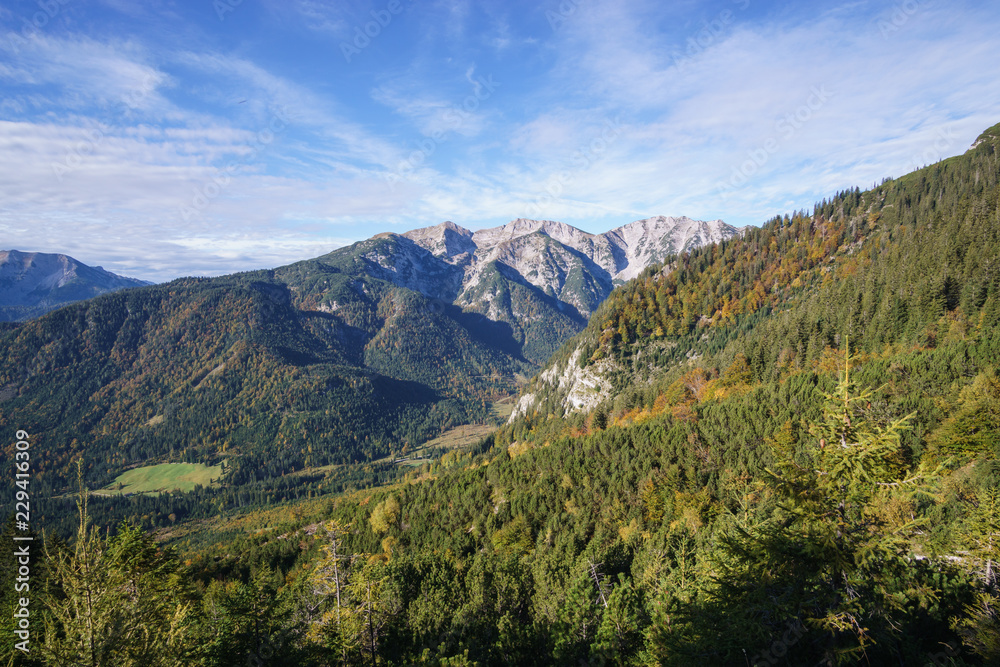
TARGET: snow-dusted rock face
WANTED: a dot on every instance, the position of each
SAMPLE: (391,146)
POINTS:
(446,241)
(33,283)
(648,241)
(575,267)
(542,279)
(408,263)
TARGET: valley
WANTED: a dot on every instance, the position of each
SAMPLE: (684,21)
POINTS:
(792,427)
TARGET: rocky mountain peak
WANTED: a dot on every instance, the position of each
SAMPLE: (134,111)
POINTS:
(33,283)
(447,240)
(533,273)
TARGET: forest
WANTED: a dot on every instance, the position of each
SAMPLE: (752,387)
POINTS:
(799,463)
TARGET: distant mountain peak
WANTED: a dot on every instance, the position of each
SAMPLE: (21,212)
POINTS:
(33,283)
(989,134)
(448,224)
(567,271)
(446,240)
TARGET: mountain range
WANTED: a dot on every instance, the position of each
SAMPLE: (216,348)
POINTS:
(370,349)
(782,448)
(34,283)
(541,278)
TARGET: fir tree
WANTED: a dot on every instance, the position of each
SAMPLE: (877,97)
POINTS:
(113,602)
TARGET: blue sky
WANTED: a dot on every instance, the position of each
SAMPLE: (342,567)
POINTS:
(168,138)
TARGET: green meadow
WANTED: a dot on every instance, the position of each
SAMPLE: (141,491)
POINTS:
(164,477)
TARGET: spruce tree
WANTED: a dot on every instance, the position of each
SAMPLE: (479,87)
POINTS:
(830,578)
(113,603)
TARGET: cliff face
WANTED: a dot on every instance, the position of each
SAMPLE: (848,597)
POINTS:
(541,278)
(575,267)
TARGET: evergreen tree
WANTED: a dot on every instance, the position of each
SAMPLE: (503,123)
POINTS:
(834,562)
(113,602)
(981,626)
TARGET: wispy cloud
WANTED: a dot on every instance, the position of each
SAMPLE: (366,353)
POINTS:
(118,142)
(81,73)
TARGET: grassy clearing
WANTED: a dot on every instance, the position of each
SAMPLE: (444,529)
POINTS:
(503,408)
(163,477)
(460,436)
(453,438)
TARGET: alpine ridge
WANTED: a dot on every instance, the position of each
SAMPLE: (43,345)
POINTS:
(34,283)
(529,272)
(367,351)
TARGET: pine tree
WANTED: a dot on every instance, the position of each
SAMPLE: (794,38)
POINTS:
(374,606)
(835,557)
(329,580)
(833,496)
(980,627)
(113,603)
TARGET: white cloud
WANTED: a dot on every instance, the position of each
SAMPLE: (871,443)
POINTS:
(149,179)
(692,124)
(88,73)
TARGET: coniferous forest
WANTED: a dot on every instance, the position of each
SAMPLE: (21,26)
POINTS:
(795,461)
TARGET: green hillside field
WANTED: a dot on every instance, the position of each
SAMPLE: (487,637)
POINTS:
(164,477)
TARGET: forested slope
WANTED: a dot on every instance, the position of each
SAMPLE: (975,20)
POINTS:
(795,462)
(911,263)
(198,369)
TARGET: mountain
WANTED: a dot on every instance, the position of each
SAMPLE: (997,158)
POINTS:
(779,449)
(788,453)
(620,253)
(367,351)
(34,283)
(541,278)
(546,253)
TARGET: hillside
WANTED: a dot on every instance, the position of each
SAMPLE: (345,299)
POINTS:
(744,492)
(910,263)
(34,283)
(360,354)
(682,514)
(788,453)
